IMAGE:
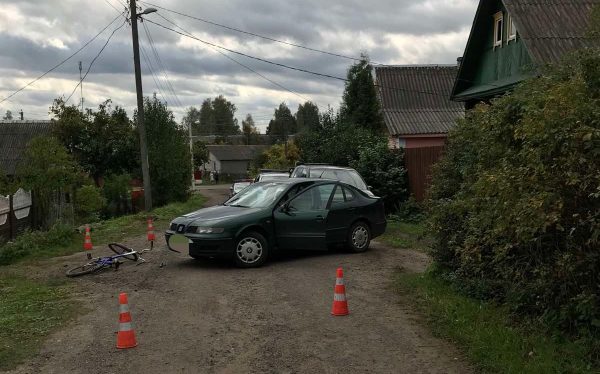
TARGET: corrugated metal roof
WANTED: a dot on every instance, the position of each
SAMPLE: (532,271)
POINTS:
(416,99)
(14,136)
(236,152)
(551,28)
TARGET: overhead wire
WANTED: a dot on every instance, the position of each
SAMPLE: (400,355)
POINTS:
(241,64)
(287,66)
(150,68)
(94,60)
(161,66)
(63,61)
(254,34)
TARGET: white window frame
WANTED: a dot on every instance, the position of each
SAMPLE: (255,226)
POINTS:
(498,17)
(512,29)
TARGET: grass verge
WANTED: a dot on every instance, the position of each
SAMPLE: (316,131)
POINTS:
(29,311)
(484,332)
(62,240)
(401,234)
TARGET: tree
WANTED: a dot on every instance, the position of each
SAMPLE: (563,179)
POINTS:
(307,117)
(360,105)
(282,124)
(275,157)
(8,116)
(200,154)
(383,170)
(168,153)
(225,121)
(46,169)
(249,129)
(192,118)
(206,126)
(103,142)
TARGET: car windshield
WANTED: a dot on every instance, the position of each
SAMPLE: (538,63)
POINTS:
(238,186)
(344,175)
(258,195)
(272,177)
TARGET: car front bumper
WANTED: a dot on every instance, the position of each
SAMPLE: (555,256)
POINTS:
(206,246)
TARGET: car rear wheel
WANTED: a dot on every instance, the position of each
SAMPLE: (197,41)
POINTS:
(359,237)
(251,250)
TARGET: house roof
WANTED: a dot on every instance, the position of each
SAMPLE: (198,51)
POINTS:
(236,152)
(547,28)
(14,136)
(552,28)
(415,99)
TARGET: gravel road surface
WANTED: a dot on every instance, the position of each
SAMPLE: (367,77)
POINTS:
(210,317)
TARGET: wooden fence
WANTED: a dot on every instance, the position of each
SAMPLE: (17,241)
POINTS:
(15,214)
(418,162)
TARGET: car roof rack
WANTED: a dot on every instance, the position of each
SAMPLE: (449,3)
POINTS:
(273,171)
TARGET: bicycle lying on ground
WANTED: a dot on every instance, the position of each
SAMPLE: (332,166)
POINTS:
(99,263)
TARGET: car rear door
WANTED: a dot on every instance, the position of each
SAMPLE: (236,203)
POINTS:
(302,222)
(342,213)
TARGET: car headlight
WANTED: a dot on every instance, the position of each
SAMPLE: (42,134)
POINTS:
(209,230)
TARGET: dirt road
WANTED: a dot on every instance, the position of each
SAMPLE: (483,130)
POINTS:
(209,317)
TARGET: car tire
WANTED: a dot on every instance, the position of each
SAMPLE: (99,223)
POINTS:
(251,250)
(359,237)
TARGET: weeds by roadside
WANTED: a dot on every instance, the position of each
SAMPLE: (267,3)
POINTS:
(487,336)
(402,234)
(29,311)
(63,240)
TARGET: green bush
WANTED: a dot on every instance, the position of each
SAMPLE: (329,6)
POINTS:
(515,202)
(89,202)
(116,191)
(33,241)
(383,170)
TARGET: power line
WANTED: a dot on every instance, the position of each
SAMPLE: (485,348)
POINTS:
(284,65)
(254,34)
(154,78)
(161,65)
(94,60)
(241,64)
(62,62)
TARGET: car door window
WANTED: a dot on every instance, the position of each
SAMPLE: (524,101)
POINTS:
(338,197)
(315,198)
(349,194)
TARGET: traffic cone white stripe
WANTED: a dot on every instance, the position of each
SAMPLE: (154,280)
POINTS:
(339,297)
(339,281)
(123,308)
(125,326)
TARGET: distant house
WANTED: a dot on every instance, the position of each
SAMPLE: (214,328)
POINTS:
(232,160)
(418,114)
(14,137)
(511,39)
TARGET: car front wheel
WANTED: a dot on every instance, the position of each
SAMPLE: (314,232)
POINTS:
(251,250)
(359,237)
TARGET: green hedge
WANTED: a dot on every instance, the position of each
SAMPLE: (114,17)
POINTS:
(515,203)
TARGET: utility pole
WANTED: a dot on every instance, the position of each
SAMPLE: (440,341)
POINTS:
(81,86)
(192,154)
(140,105)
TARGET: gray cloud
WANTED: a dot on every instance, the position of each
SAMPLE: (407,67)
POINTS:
(390,31)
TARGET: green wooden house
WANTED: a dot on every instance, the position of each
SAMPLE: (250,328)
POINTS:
(511,39)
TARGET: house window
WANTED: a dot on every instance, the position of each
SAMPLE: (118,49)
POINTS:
(512,30)
(498,29)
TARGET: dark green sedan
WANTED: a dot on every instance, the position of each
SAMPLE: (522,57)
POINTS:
(308,214)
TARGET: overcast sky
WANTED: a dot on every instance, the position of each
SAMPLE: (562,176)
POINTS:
(36,35)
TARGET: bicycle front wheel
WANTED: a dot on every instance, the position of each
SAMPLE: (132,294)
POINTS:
(88,268)
(120,249)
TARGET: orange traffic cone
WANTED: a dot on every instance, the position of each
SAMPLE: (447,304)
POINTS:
(151,236)
(126,336)
(340,304)
(87,243)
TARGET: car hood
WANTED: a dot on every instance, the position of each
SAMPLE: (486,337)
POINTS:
(215,214)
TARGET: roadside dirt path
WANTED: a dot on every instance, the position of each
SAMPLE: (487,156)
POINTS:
(209,317)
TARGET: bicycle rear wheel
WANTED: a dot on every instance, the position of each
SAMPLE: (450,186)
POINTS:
(88,268)
(120,249)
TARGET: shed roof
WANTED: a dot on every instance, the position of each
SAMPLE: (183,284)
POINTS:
(14,136)
(236,152)
(551,28)
(415,99)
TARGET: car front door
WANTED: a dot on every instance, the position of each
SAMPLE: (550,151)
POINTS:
(302,222)
(341,215)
